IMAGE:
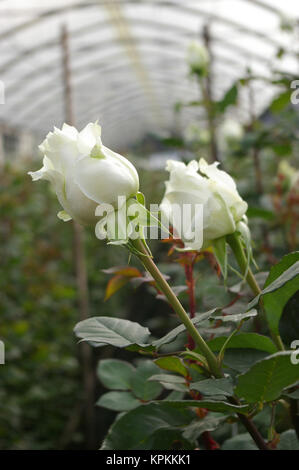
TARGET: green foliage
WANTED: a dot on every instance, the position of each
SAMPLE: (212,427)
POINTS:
(41,382)
(141,386)
(288,441)
(281,101)
(214,387)
(121,333)
(121,375)
(288,270)
(118,401)
(266,379)
(140,429)
(209,423)
(114,331)
(230,99)
(285,271)
(289,320)
(172,364)
(115,374)
(244,340)
(213,405)
(239,442)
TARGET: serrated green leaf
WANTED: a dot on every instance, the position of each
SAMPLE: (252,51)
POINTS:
(239,442)
(288,441)
(136,429)
(170,378)
(118,401)
(236,318)
(230,98)
(289,320)
(283,276)
(244,340)
(281,101)
(242,359)
(208,423)
(99,331)
(172,364)
(175,387)
(266,379)
(294,395)
(287,270)
(175,395)
(214,386)
(141,386)
(212,405)
(172,335)
(170,382)
(115,374)
(114,331)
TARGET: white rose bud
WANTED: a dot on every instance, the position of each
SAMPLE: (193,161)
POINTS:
(214,189)
(84,173)
(231,131)
(197,58)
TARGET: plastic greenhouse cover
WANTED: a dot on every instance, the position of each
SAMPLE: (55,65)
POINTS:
(128,59)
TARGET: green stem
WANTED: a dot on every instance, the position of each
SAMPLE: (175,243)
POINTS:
(177,306)
(238,250)
(214,366)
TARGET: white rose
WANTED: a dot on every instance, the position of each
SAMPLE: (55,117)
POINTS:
(197,57)
(84,173)
(231,131)
(222,205)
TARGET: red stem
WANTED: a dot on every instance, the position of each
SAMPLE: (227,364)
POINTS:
(191,292)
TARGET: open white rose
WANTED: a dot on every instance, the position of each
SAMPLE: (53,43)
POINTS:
(214,189)
(84,173)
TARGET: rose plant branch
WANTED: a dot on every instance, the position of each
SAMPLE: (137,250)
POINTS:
(213,362)
(189,260)
(163,285)
(238,250)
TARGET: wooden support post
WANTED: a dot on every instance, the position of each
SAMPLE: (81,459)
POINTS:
(85,351)
(255,151)
(208,97)
(258,174)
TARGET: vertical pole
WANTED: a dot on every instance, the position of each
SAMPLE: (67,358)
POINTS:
(255,151)
(208,96)
(85,352)
(258,174)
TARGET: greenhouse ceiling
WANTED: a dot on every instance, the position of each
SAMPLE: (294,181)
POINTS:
(128,59)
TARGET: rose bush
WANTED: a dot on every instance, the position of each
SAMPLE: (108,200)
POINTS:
(84,173)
